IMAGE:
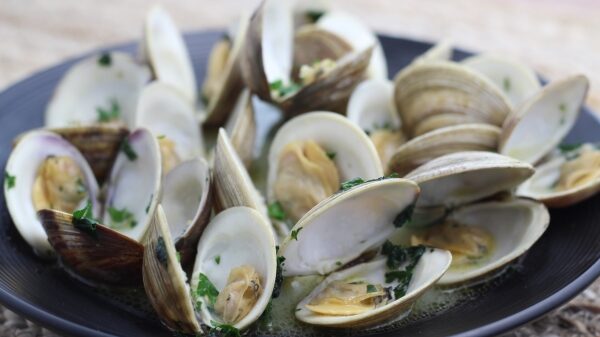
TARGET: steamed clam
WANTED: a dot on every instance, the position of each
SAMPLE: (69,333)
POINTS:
(268,61)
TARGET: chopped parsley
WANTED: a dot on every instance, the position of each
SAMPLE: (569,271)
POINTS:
(398,256)
(178,256)
(161,251)
(294,233)
(218,259)
(282,90)
(206,289)
(159,137)
(338,263)
(506,84)
(331,155)
(9,180)
(104,60)
(121,218)
(110,114)
(371,288)
(564,148)
(225,330)
(278,274)
(404,217)
(128,150)
(80,186)
(314,15)
(562,107)
(149,203)
(276,211)
(83,219)
(346,185)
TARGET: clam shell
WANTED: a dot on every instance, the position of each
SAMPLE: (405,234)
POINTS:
(23,163)
(426,89)
(221,105)
(341,218)
(163,110)
(539,124)
(99,145)
(187,202)
(94,83)
(135,182)
(464,137)
(428,270)
(165,280)
(441,51)
(359,36)
(443,120)
(167,53)
(238,236)
(516,80)
(515,225)
(463,177)
(106,256)
(371,106)
(242,128)
(540,186)
(233,186)
(356,155)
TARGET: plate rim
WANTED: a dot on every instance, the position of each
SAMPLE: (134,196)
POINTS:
(60,325)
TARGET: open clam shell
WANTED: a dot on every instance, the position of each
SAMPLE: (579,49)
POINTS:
(514,226)
(341,218)
(165,281)
(238,236)
(517,81)
(167,55)
(267,64)
(540,123)
(442,141)
(350,155)
(359,36)
(102,88)
(187,202)
(463,177)
(225,77)
(134,185)
(163,110)
(102,255)
(21,172)
(313,43)
(99,145)
(242,128)
(441,51)
(431,266)
(424,90)
(584,180)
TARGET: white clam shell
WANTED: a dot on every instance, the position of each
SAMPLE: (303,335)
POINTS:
(371,105)
(89,85)
(23,163)
(238,236)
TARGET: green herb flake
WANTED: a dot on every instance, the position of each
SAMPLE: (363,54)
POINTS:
(331,155)
(160,250)
(225,330)
(83,219)
(338,263)
(149,203)
(128,150)
(178,256)
(314,15)
(346,185)
(159,137)
(206,289)
(105,60)
(278,274)
(121,218)
(294,233)
(9,180)
(218,259)
(506,84)
(562,107)
(276,211)
(565,148)
(110,114)
(80,186)
(404,217)
(371,289)
(398,256)
(282,90)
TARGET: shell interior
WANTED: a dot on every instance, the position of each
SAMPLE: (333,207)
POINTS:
(370,106)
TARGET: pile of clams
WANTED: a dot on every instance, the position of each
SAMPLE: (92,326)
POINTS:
(385,188)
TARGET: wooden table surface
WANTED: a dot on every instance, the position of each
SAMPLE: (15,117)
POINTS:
(556,38)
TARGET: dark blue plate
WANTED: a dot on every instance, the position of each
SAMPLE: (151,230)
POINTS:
(560,265)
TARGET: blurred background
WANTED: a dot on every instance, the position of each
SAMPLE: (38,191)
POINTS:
(556,38)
